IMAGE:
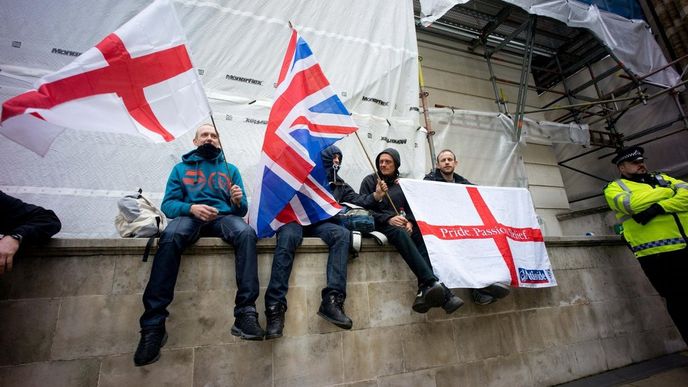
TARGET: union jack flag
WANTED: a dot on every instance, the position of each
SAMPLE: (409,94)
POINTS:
(306,118)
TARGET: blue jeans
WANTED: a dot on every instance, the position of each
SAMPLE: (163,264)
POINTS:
(289,237)
(182,232)
(412,249)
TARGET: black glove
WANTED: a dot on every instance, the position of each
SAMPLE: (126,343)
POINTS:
(644,217)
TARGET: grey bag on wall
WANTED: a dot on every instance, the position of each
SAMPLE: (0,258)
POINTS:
(138,217)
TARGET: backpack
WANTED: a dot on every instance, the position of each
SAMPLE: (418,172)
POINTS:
(139,218)
(361,223)
(356,218)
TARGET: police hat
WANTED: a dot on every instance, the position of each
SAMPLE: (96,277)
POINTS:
(631,153)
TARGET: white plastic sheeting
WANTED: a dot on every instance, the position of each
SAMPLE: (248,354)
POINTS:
(554,132)
(486,147)
(631,41)
(238,47)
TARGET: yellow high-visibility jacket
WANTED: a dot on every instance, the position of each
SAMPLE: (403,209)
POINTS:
(665,232)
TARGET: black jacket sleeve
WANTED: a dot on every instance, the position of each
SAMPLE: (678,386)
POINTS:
(35,224)
(382,211)
(344,193)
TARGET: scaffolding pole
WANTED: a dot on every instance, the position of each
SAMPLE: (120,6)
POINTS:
(525,70)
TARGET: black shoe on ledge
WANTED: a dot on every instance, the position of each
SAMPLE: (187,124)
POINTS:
(452,302)
(497,290)
(148,350)
(332,310)
(275,315)
(247,327)
(429,296)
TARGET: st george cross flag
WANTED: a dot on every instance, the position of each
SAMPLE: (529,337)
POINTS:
(306,118)
(477,236)
(139,80)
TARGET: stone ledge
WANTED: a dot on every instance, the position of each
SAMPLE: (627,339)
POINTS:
(109,246)
(577,240)
(72,319)
(580,213)
(77,247)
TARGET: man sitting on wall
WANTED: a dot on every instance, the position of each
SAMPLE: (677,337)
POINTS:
(338,239)
(446,164)
(204,197)
(393,217)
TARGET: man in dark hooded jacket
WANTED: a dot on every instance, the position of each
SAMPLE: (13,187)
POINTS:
(393,217)
(446,165)
(343,192)
(337,237)
(204,197)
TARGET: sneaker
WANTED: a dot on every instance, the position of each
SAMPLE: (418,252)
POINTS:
(452,302)
(148,350)
(275,315)
(247,327)
(332,310)
(429,296)
(481,297)
(497,290)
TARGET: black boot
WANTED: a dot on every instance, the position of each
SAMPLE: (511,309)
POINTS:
(429,296)
(247,327)
(275,316)
(148,350)
(332,310)
(452,302)
(481,297)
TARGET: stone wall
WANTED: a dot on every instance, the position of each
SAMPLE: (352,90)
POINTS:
(69,317)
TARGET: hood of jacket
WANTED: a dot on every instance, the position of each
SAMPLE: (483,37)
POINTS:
(327,156)
(397,163)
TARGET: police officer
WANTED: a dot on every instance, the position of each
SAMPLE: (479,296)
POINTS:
(653,210)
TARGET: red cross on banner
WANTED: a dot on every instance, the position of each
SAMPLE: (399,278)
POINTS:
(136,81)
(477,236)
(491,229)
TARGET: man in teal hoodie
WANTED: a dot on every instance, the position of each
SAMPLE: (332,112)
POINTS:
(204,197)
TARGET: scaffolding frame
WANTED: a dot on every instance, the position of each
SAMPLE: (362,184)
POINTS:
(526,39)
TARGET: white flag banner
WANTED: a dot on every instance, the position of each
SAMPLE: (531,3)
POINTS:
(139,80)
(478,235)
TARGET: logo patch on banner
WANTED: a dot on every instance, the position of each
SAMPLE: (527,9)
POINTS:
(532,276)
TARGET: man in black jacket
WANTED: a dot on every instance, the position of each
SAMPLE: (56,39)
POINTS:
(446,165)
(21,224)
(393,217)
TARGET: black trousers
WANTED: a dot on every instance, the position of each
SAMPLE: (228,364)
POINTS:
(412,249)
(667,272)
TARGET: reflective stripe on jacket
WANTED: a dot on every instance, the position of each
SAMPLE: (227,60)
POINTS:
(664,232)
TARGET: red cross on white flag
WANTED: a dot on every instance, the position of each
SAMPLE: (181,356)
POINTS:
(139,80)
(477,236)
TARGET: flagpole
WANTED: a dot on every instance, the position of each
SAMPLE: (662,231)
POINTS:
(222,149)
(370,161)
